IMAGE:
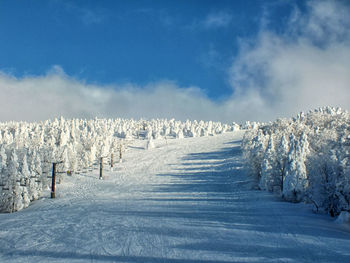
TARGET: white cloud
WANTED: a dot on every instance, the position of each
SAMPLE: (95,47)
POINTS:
(306,67)
(211,58)
(274,75)
(218,19)
(88,16)
(91,17)
(56,94)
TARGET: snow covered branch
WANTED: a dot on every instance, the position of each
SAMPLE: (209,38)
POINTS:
(304,159)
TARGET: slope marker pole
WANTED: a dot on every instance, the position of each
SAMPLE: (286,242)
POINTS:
(53,184)
(112,160)
(101,167)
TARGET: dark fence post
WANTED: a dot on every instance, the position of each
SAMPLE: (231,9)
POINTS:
(101,167)
(53,184)
(112,160)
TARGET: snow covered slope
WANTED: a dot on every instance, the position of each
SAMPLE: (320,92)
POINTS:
(184,201)
(27,150)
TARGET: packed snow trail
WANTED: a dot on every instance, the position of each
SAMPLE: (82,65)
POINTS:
(185,201)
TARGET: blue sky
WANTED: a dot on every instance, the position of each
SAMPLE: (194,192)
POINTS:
(204,50)
(190,42)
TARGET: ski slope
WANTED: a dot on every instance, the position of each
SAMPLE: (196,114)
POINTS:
(185,201)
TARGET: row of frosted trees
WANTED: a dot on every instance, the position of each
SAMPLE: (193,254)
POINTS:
(27,150)
(306,158)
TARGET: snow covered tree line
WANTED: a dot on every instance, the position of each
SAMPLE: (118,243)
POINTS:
(27,150)
(306,158)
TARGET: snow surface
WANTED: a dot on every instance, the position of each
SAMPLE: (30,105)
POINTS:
(186,200)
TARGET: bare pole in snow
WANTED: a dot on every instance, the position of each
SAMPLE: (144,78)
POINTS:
(101,167)
(53,184)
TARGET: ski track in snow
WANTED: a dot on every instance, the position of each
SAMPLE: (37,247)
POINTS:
(185,201)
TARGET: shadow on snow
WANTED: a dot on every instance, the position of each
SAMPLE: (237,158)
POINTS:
(209,208)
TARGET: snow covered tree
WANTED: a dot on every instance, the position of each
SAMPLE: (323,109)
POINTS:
(72,158)
(3,159)
(282,161)
(296,179)
(150,144)
(14,183)
(313,166)
(256,155)
(180,134)
(268,168)
(78,143)
(25,174)
(37,171)
(24,181)
(149,133)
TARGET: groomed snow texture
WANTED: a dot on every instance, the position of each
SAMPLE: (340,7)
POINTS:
(183,201)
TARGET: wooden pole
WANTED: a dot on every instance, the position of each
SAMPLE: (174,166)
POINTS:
(112,160)
(101,167)
(53,184)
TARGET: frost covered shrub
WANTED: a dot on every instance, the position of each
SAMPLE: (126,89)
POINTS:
(303,159)
(27,150)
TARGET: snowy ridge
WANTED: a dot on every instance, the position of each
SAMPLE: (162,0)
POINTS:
(27,150)
(306,158)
